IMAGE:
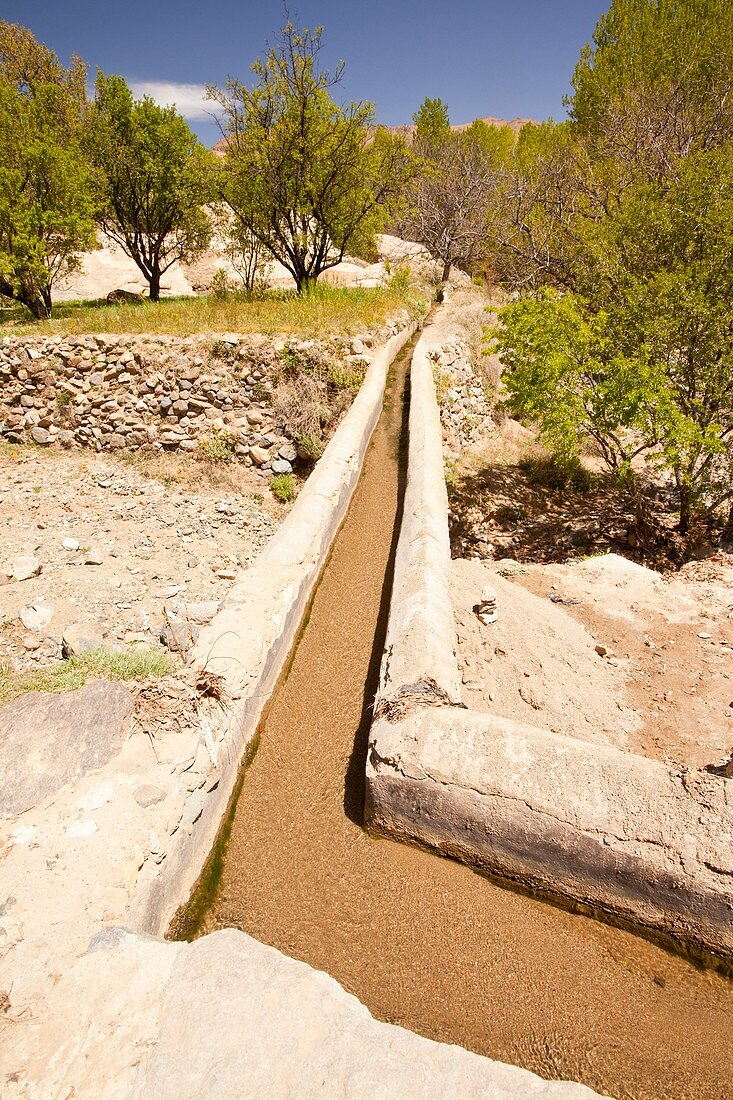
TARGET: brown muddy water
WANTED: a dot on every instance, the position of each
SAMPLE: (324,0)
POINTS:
(424,942)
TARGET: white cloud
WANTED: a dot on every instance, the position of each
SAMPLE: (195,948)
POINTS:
(189,99)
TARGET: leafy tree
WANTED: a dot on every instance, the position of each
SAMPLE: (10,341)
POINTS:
(432,122)
(656,85)
(454,196)
(46,215)
(307,178)
(637,227)
(154,179)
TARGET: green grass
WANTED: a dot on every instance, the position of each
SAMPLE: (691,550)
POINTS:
(338,310)
(284,487)
(107,664)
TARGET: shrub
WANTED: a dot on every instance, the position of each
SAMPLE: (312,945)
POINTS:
(284,487)
(347,376)
(310,446)
(217,448)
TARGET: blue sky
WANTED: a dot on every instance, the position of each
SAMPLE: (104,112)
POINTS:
(508,58)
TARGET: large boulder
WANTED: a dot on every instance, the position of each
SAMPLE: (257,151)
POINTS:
(49,740)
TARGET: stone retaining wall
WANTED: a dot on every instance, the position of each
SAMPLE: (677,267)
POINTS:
(152,393)
(623,834)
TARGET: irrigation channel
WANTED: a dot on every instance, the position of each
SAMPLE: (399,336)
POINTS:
(424,942)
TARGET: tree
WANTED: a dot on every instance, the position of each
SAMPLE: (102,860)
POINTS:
(46,214)
(154,180)
(636,355)
(452,199)
(245,253)
(307,178)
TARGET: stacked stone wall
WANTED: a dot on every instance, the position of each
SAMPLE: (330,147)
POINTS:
(149,393)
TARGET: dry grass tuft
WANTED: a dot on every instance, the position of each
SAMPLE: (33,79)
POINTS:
(338,310)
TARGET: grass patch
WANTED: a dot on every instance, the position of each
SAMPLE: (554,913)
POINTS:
(338,310)
(97,664)
(284,487)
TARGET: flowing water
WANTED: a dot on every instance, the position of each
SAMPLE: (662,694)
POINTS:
(424,942)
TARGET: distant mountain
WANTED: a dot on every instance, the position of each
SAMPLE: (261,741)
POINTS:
(514,124)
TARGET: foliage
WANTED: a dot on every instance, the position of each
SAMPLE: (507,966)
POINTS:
(450,204)
(346,376)
(218,447)
(108,664)
(308,179)
(154,178)
(628,209)
(245,252)
(309,446)
(45,206)
(341,310)
(284,487)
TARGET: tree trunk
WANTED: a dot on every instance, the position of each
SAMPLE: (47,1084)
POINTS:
(37,303)
(446,270)
(685,510)
(305,284)
(154,282)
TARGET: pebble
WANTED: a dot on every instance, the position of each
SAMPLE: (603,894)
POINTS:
(23,568)
(36,616)
(148,795)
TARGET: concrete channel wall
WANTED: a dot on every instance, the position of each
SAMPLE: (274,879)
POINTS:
(611,830)
(247,645)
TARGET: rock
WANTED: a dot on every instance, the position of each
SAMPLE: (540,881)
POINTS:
(179,635)
(288,452)
(40,436)
(226,573)
(66,438)
(81,638)
(292,1031)
(280,466)
(148,795)
(259,455)
(93,557)
(48,740)
(486,607)
(601,650)
(23,568)
(193,808)
(201,612)
(124,297)
(70,544)
(36,616)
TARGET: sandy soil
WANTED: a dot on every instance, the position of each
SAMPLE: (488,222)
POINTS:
(662,686)
(176,535)
(424,942)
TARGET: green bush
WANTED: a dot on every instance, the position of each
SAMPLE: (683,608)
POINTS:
(217,448)
(347,376)
(311,446)
(284,487)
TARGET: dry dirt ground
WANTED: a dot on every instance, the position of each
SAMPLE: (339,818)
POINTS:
(586,642)
(140,537)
